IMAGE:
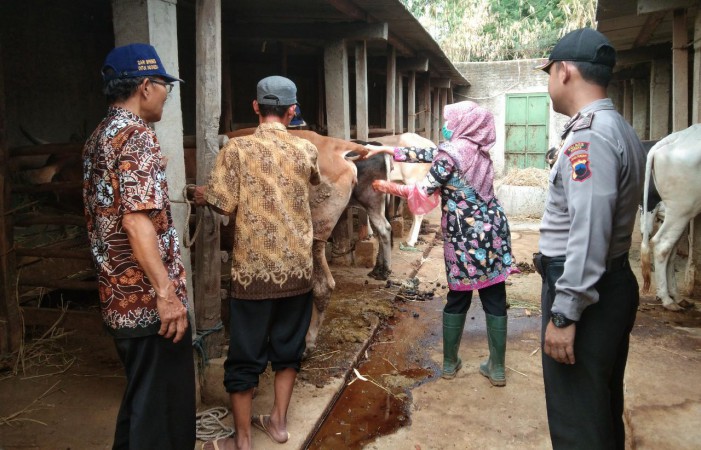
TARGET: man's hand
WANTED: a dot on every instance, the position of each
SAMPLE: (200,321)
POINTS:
(173,315)
(196,194)
(559,343)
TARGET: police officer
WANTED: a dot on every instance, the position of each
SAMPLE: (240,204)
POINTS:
(590,295)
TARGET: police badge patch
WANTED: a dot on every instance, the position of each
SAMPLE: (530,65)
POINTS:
(580,167)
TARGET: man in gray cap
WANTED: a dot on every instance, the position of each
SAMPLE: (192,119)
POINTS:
(589,290)
(263,182)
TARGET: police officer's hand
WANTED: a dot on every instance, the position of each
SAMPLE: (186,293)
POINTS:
(559,343)
(173,315)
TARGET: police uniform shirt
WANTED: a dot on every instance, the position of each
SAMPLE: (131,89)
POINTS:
(595,187)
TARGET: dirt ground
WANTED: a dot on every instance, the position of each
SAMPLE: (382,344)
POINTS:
(69,395)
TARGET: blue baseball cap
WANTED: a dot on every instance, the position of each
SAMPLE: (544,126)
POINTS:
(276,91)
(134,60)
(297,120)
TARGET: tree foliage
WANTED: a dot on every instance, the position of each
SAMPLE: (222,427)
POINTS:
(492,30)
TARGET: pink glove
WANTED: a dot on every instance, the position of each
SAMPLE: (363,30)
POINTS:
(400,190)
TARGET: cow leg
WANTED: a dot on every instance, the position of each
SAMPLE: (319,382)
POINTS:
(415,228)
(664,243)
(323,285)
(383,230)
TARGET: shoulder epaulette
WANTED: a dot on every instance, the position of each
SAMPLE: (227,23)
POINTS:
(583,122)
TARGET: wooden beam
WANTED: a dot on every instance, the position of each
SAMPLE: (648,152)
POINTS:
(628,101)
(48,283)
(350,9)
(399,45)
(652,6)
(435,115)
(87,322)
(48,252)
(641,55)
(680,72)
(426,121)
(47,149)
(647,30)
(25,220)
(312,31)
(207,273)
(56,186)
(443,83)
(412,64)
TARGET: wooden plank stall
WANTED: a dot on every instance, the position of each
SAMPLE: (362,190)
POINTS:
(10,319)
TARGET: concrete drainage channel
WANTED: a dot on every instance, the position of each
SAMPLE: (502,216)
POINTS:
(376,397)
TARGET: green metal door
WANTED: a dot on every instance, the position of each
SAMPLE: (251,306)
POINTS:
(526,130)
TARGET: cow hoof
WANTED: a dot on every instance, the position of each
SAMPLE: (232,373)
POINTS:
(673,307)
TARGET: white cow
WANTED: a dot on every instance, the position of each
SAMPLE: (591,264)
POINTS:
(675,163)
(408,173)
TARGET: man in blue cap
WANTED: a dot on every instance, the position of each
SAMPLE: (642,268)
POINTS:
(135,248)
(589,290)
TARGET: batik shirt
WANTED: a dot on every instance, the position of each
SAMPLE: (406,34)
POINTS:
(476,237)
(123,173)
(264,179)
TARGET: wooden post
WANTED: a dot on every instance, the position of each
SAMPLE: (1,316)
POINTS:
(10,317)
(435,116)
(391,87)
(399,106)
(660,87)
(427,115)
(444,101)
(411,103)
(680,72)
(208,93)
(628,101)
(337,101)
(640,107)
(696,96)
(361,91)
(227,116)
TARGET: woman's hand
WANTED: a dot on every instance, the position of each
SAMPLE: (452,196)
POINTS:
(378,149)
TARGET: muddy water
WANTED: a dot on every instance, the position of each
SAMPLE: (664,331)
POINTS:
(395,362)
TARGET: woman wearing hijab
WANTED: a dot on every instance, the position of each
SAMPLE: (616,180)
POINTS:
(477,242)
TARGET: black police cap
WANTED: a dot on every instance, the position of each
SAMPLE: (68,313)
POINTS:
(583,45)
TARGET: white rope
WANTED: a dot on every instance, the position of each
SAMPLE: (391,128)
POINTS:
(209,426)
(187,240)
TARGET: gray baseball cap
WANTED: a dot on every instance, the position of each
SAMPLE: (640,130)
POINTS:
(276,90)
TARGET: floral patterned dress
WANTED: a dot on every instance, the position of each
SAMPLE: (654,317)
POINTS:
(476,237)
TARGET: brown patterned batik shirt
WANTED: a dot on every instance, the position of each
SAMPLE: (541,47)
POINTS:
(124,172)
(265,179)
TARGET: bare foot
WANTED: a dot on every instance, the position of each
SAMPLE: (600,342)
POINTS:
(263,423)
(220,444)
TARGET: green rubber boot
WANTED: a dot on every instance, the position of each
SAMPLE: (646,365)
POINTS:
(453,325)
(493,368)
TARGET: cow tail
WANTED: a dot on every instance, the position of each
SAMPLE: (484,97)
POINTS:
(645,264)
(388,200)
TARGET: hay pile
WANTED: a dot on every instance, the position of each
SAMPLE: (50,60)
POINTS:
(525,177)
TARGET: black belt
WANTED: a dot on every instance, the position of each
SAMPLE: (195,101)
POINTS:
(612,265)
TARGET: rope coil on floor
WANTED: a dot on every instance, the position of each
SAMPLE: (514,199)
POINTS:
(209,425)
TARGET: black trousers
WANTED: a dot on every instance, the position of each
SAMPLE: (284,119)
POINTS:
(585,400)
(158,407)
(493,300)
(265,330)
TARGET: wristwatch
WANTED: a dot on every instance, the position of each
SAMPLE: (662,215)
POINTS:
(560,321)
